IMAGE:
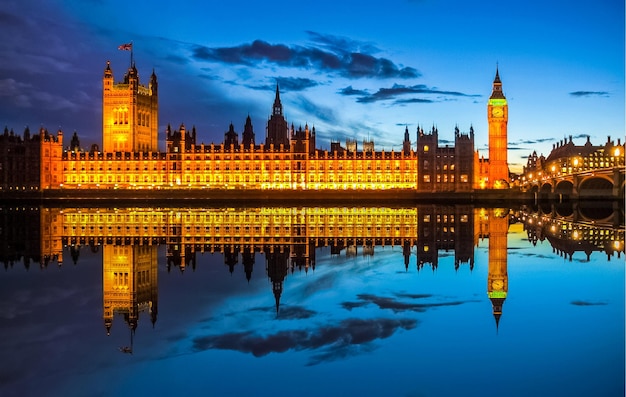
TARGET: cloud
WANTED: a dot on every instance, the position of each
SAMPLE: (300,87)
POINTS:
(413,100)
(396,90)
(343,337)
(414,296)
(331,58)
(530,141)
(397,306)
(580,94)
(352,305)
(286,312)
(348,91)
(286,84)
(394,305)
(339,44)
(587,303)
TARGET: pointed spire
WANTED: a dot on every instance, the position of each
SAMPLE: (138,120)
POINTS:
(107,71)
(497,93)
(278,106)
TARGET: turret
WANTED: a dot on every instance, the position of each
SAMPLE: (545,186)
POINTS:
(154,86)
(231,137)
(75,142)
(247,138)
(406,144)
(278,106)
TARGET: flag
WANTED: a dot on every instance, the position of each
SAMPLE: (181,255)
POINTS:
(126,47)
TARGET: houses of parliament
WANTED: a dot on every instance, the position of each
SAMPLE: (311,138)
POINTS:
(286,159)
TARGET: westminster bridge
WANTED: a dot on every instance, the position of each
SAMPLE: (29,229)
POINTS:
(577,172)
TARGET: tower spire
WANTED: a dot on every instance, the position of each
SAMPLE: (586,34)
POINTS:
(278,106)
(497,93)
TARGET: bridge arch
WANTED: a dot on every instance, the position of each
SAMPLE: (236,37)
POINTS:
(545,190)
(595,186)
(565,188)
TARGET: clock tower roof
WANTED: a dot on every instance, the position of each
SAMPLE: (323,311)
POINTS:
(497,93)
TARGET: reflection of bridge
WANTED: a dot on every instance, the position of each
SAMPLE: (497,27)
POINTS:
(568,234)
(578,172)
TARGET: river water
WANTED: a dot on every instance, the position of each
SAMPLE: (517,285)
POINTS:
(337,301)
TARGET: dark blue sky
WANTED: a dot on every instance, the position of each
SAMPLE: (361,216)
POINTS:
(350,68)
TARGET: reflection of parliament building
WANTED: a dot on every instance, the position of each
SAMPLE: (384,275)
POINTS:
(286,238)
(287,157)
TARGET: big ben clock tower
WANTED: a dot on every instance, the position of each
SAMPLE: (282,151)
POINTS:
(498,116)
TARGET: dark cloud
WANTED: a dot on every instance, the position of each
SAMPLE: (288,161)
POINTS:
(286,84)
(587,303)
(414,296)
(332,59)
(530,141)
(579,94)
(342,44)
(396,90)
(413,100)
(352,305)
(397,306)
(350,332)
(295,83)
(287,312)
(530,254)
(348,91)
(294,313)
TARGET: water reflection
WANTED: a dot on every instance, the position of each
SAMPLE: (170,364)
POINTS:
(137,245)
(286,240)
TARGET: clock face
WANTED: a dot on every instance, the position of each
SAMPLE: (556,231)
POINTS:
(497,112)
(497,284)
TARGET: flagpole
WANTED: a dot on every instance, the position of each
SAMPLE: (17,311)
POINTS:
(131,53)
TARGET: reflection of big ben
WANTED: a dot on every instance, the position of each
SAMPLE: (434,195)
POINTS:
(129,283)
(497,278)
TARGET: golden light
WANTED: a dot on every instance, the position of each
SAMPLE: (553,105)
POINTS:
(617,152)
(575,162)
(553,168)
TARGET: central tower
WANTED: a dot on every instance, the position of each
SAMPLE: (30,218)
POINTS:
(130,113)
(498,117)
(277,130)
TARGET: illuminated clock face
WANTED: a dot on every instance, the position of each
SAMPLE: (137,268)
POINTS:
(497,112)
(497,284)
